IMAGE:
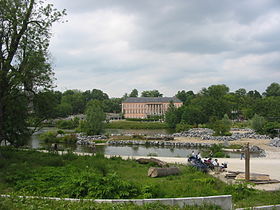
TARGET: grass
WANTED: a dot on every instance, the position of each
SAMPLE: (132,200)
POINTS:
(41,174)
(136,125)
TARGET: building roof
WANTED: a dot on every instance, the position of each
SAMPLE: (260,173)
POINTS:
(152,100)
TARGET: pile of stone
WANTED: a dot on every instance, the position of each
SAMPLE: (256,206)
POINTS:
(195,132)
(158,143)
(160,137)
(89,140)
(256,149)
(207,134)
(249,130)
(275,142)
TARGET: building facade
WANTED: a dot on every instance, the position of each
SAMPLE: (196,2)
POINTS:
(143,107)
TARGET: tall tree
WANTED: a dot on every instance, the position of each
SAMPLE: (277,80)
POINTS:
(171,116)
(273,90)
(24,67)
(151,93)
(94,123)
(134,93)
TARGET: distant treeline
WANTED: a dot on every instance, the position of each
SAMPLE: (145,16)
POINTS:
(214,101)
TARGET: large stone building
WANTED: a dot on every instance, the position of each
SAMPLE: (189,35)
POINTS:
(142,107)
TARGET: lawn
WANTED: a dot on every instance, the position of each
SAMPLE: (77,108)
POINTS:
(41,174)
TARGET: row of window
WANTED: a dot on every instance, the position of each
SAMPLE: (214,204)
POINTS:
(142,111)
(143,105)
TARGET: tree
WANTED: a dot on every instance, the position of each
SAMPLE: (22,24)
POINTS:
(222,127)
(193,115)
(151,93)
(184,96)
(171,116)
(257,123)
(24,63)
(273,90)
(134,93)
(215,91)
(94,123)
(76,99)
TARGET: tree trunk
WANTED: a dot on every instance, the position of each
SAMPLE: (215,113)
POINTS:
(152,160)
(158,172)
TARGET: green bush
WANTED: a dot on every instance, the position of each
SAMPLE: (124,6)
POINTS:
(48,137)
(183,127)
(68,124)
(69,139)
(135,125)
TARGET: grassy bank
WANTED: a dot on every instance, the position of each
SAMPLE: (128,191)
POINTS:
(136,125)
(40,174)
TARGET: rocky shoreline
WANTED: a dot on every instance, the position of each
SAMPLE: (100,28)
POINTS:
(207,134)
(158,143)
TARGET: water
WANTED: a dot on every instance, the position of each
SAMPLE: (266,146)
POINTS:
(126,150)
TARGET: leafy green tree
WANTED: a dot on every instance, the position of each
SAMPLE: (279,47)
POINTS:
(94,123)
(98,95)
(193,115)
(64,110)
(134,93)
(271,128)
(254,94)
(273,90)
(76,99)
(24,63)
(184,96)
(257,123)
(215,91)
(151,93)
(112,105)
(171,116)
(45,105)
(222,127)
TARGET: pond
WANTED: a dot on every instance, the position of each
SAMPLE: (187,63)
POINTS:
(126,150)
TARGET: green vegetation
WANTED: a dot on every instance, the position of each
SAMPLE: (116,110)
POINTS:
(68,124)
(216,151)
(26,204)
(40,174)
(95,116)
(171,116)
(25,67)
(135,125)
(52,137)
(183,127)
(222,127)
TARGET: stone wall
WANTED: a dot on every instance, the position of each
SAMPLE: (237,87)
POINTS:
(224,201)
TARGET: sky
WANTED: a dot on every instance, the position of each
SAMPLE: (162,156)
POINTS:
(168,45)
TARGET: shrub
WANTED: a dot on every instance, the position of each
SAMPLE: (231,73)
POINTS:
(257,123)
(69,139)
(48,137)
(68,124)
(183,127)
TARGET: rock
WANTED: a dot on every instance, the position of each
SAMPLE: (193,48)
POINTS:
(152,160)
(159,172)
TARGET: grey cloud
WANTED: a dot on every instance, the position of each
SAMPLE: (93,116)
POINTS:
(167,47)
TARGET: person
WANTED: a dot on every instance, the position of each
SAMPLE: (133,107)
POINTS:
(198,156)
(215,163)
(242,155)
(192,155)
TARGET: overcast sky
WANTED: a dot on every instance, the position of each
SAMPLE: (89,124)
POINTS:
(168,45)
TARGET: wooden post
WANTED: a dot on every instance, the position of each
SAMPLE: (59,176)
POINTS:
(247,163)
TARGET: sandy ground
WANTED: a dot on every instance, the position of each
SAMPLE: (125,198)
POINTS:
(266,165)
